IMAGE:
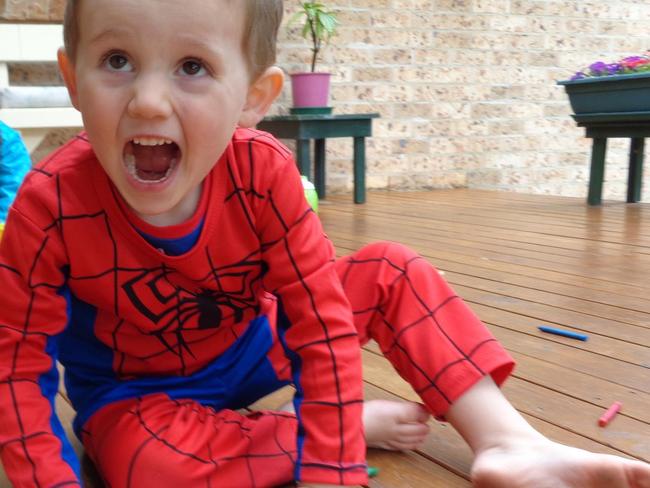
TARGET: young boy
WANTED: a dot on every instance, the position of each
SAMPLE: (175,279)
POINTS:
(169,260)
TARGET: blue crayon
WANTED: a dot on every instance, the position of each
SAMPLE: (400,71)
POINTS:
(565,333)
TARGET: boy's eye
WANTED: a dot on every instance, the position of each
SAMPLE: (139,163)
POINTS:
(192,67)
(117,62)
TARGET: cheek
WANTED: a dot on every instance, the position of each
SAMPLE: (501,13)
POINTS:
(97,109)
(209,125)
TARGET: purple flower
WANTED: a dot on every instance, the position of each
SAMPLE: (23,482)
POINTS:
(627,65)
(598,68)
(578,76)
(614,68)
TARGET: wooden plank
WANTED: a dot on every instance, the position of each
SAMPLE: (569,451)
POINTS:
(605,335)
(410,469)
(618,302)
(513,239)
(589,295)
(563,352)
(516,209)
(498,224)
(615,269)
(346,242)
(575,384)
(558,301)
(599,344)
(570,212)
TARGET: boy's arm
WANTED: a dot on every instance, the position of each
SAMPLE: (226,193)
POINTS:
(317,332)
(33,310)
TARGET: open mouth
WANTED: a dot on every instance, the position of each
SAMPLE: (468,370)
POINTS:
(151,159)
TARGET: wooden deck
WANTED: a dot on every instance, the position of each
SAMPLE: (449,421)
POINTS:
(521,261)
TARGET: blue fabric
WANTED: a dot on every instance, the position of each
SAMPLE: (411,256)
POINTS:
(49,385)
(14,164)
(296,366)
(237,378)
(175,247)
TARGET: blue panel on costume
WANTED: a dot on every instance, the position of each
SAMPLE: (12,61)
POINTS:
(237,378)
(296,368)
(49,385)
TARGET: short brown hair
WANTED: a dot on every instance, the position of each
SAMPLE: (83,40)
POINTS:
(263,19)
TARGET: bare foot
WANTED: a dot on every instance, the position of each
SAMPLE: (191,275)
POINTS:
(546,464)
(395,426)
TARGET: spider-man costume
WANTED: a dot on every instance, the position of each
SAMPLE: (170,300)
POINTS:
(160,349)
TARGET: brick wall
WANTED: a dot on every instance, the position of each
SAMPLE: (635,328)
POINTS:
(32,10)
(466,88)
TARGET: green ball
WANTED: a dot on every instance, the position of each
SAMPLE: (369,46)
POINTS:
(310,193)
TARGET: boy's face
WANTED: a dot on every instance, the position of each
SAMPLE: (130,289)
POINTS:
(161,85)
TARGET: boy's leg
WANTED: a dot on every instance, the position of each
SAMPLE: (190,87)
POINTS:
(439,346)
(510,453)
(428,333)
(156,441)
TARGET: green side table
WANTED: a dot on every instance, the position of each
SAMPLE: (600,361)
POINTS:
(319,127)
(600,127)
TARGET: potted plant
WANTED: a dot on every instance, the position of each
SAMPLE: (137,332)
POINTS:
(611,88)
(613,100)
(310,90)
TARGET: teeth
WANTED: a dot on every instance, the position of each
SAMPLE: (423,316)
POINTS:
(151,141)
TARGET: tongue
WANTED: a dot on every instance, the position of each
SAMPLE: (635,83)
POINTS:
(152,162)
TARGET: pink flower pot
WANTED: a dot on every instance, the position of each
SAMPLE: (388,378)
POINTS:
(310,89)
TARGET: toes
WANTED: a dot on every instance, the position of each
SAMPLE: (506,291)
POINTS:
(639,473)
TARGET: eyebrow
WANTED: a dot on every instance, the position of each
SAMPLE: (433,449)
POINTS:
(111,33)
(196,43)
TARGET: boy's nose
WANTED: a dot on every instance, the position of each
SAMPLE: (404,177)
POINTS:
(150,99)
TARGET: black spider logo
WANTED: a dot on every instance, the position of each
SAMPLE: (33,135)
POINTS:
(173,307)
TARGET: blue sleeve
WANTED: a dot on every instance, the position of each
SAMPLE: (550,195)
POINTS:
(14,164)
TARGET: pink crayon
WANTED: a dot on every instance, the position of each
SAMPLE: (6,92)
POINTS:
(609,414)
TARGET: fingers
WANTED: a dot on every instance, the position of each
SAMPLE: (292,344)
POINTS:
(412,430)
(415,412)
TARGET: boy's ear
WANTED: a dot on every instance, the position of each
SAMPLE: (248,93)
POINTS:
(261,95)
(69,76)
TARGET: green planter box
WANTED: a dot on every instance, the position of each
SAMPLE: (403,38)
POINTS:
(609,94)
